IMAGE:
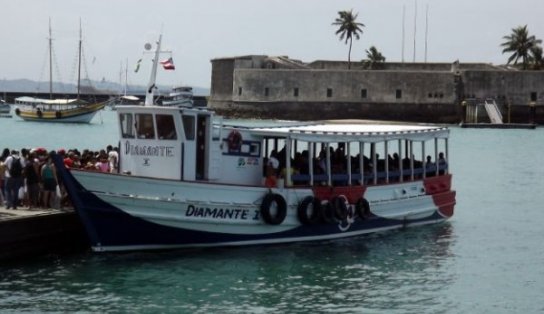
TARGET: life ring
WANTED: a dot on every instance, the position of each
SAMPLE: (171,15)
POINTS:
(339,207)
(309,210)
(58,114)
(39,113)
(17,111)
(362,208)
(273,209)
(234,140)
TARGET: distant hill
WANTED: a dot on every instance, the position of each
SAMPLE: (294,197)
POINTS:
(99,87)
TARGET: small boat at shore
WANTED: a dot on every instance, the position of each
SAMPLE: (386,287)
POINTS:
(189,178)
(5,108)
(180,96)
(125,100)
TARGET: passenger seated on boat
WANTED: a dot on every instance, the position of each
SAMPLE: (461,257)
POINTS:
(430,167)
(442,163)
(283,175)
(301,162)
(272,167)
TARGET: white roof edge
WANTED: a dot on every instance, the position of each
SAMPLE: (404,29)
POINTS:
(351,132)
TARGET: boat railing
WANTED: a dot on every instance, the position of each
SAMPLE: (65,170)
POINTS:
(368,178)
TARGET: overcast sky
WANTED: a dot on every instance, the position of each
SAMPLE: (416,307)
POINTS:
(197,31)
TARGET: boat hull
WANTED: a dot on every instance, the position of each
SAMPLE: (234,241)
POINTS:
(83,114)
(133,213)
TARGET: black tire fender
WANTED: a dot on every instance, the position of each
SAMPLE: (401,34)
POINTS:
(339,207)
(268,215)
(362,209)
(309,210)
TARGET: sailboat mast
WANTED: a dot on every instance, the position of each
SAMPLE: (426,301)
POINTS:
(126,76)
(153,77)
(50,62)
(79,63)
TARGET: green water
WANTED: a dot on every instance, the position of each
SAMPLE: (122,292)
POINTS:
(487,259)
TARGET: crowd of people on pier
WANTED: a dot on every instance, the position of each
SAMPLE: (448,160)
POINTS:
(28,178)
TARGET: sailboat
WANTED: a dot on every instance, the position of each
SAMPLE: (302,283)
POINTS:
(57,110)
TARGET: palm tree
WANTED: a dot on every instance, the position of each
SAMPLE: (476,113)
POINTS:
(537,58)
(520,44)
(348,28)
(373,57)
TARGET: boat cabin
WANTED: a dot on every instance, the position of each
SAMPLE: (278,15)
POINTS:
(191,144)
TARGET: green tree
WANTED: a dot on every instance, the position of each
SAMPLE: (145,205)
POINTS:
(537,58)
(348,28)
(519,43)
(373,57)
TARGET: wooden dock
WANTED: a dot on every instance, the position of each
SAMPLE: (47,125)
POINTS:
(27,233)
(499,125)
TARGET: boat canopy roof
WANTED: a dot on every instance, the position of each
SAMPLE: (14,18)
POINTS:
(351,132)
(33,100)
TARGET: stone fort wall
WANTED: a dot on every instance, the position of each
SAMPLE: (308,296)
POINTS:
(279,87)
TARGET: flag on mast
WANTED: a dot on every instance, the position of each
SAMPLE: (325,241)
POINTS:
(137,66)
(168,64)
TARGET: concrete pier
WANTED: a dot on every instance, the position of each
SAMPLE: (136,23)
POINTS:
(26,233)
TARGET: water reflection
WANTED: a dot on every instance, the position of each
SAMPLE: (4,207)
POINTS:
(403,270)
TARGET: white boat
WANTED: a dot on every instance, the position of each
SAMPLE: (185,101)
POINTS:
(125,100)
(189,178)
(181,96)
(5,108)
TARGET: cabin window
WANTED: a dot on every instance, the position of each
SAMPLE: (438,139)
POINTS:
(533,96)
(166,129)
(127,125)
(144,126)
(189,127)
(295,92)
(363,93)
(399,94)
(266,91)
(329,92)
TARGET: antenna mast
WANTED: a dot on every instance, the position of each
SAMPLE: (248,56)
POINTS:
(415,29)
(403,30)
(50,62)
(426,29)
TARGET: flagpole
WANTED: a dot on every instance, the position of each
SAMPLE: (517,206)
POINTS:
(403,29)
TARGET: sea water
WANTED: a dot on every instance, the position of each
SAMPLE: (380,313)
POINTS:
(489,258)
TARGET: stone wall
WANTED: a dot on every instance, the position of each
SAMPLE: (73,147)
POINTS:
(262,85)
(248,87)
